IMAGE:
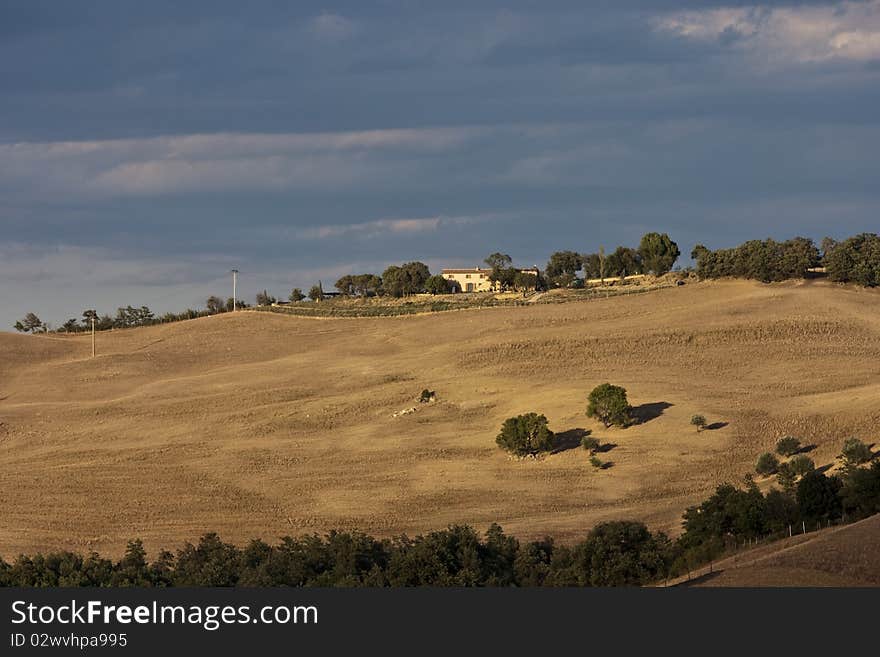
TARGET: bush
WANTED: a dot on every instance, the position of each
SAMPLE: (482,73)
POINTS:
(855,452)
(609,405)
(787,446)
(296,295)
(427,396)
(596,462)
(699,421)
(802,465)
(525,435)
(589,443)
(767,464)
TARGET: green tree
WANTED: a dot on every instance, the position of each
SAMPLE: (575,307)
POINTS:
(562,268)
(316,293)
(265,299)
(767,464)
(802,465)
(30,324)
(436,284)
(786,477)
(296,294)
(608,404)
(787,446)
(699,421)
(215,305)
(498,261)
(658,253)
(855,452)
(818,496)
(526,434)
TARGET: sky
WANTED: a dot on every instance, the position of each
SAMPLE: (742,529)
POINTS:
(147,148)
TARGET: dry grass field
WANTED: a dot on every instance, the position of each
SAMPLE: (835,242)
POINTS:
(261,425)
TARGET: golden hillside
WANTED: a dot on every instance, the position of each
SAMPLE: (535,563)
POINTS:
(257,424)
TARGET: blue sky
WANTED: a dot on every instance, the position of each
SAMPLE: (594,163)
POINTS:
(146,148)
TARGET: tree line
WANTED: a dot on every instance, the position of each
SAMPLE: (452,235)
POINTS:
(615,553)
(656,254)
(853,260)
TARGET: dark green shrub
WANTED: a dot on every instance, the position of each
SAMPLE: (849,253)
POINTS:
(525,435)
(609,405)
(787,446)
(767,464)
(590,443)
(699,421)
(802,464)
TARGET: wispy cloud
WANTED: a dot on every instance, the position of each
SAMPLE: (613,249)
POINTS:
(224,161)
(846,31)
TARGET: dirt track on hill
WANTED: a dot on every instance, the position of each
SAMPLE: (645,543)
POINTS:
(261,425)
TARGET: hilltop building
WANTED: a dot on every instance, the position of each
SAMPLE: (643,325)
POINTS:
(477,279)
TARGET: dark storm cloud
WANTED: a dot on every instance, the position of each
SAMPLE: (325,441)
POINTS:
(146,148)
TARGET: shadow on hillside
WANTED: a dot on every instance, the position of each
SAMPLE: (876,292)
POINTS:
(806,448)
(570,439)
(822,469)
(716,425)
(647,412)
(700,579)
(605,447)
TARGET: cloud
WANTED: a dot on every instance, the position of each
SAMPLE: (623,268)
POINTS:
(215,162)
(373,228)
(843,31)
(332,27)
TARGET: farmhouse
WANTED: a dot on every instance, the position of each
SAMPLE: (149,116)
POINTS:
(476,280)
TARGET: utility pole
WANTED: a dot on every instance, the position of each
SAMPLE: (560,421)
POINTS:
(234,286)
(93,337)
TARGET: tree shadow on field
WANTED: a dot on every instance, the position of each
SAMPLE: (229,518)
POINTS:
(822,469)
(716,425)
(806,449)
(647,412)
(605,447)
(570,439)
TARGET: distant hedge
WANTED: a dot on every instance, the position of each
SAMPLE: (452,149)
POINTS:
(854,260)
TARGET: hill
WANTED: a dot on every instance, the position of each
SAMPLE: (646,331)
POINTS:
(840,556)
(260,424)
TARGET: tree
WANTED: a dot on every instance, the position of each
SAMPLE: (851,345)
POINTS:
(562,268)
(818,496)
(786,477)
(596,462)
(70,326)
(855,452)
(30,324)
(525,281)
(498,261)
(265,299)
(699,421)
(658,253)
(407,279)
(855,260)
(436,284)
(296,295)
(526,434)
(767,464)
(802,464)
(316,293)
(623,262)
(787,446)
(215,305)
(608,403)
(346,285)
